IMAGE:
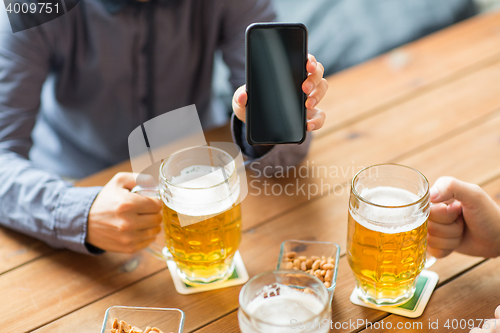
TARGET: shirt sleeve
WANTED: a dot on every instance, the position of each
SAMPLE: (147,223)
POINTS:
(238,16)
(268,160)
(34,201)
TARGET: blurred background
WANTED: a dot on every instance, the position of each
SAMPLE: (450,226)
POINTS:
(344,33)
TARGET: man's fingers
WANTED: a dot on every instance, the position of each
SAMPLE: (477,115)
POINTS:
(136,203)
(438,253)
(146,234)
(445,214)
(239,103)
(317,95)
(316,119)
(125,180)
(449,230)
(313,80)
(497,312)
(312,64)
(240,96)
(146,221)
(443,243)
(446,188)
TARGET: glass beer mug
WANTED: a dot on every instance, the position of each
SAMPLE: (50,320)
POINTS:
(199,188)
(284,301)
(387,232)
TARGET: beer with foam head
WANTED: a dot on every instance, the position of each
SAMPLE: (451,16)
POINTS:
(284,302)
(387,234)
(201,213)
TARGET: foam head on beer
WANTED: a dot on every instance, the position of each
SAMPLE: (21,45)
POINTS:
(396,216)
(201,191)
(284,311)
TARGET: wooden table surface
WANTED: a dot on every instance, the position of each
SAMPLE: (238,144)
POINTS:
(433,105)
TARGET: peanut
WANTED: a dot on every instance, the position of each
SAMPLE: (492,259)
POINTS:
(315,265)
(327,266)
(319,276)
(123,327)
(321,267)
(329,276)
(303,266)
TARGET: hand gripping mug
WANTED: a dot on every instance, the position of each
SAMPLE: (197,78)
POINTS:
(199,188)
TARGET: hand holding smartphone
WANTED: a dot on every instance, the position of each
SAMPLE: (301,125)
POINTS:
(276,57)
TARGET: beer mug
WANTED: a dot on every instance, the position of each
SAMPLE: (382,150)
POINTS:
(199,188)
(387,232)
(284,301)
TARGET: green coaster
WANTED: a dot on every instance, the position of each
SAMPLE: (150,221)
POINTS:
(239,276)
(415,306)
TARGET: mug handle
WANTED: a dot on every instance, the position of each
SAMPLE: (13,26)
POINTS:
(429,260)
(156,250)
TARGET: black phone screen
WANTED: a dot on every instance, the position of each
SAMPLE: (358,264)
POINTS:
(276,68)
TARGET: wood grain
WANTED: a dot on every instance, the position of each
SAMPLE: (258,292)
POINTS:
(156,291)
(413,126)
(325,219)
(434,110)
(55,285)
(472,296)
(343,311)
(410,70)
(264,257)
(17,249)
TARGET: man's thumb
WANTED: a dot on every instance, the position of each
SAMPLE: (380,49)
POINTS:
(447,188)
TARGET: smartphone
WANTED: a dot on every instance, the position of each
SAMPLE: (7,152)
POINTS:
(276,57)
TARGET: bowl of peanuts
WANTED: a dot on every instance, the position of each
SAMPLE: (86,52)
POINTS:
(132,319)
(316,258)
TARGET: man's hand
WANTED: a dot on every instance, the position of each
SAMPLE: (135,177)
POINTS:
(121,221)
(490,325)
(315,86)
(463,219)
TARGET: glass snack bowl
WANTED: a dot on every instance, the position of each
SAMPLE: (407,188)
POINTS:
(310,249)
(167,320)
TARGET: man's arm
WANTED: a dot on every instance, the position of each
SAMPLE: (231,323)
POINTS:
(33,201)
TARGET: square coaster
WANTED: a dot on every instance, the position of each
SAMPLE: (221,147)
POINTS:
(415,306)
(239,276)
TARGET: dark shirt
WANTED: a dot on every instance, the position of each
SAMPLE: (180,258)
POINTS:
(72,90)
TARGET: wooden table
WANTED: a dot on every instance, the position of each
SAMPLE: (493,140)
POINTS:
(433,104)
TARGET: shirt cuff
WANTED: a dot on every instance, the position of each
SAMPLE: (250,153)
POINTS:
(268,160)
(238,129)
(71,218)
